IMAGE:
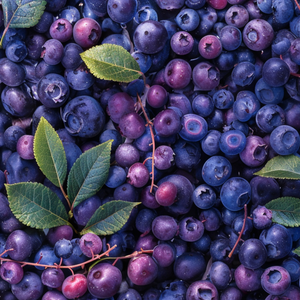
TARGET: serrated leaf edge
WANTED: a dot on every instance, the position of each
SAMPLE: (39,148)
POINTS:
(283,217)
(85,59)
(73,201)
(86,229)
(42,122)
(43,3)
(269,173)
(36,184)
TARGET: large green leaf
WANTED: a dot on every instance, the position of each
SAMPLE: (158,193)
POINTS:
(283,167)
(35,205)
(89,173)
(49,153)
(285,211)
(110,217)
(22,13)
(111,62)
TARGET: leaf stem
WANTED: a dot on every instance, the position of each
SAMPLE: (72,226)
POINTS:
(241,232)
(7,26)
(66,197)
(297,4)
(2,37)
(150,124)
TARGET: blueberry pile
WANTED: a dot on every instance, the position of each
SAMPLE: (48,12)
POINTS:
(220,97)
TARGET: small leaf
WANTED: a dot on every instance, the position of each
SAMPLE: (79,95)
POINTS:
(35,205)
(111,62)
(297,251)
(110,217)
(89,173)
(22,13)
(282,167)
(285,211)
(49,153)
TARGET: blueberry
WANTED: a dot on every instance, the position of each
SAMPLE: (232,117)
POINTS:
(202,289)
(53,90)
(235,193)
(216,170)
(178,73)
(253,38)
(83,117)
(220,275)
(253,253)
(150,37)
(121,11)
(232,142)
(188,19)
(206,76)
(285,140)
(275,280)
(277,240)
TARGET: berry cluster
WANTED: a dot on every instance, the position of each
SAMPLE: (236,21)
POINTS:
(219,99)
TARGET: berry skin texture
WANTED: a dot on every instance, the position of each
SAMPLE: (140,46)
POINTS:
(87,32)
(253,254)
(194,128)
(275,280)
(12,272)
(210,47)
(255,153)
(258,34)
(29,288)
(83,117)
(216,170)
(235,193)
(142,269)
(138,175)
(178,73)
(167,123)
(166,193)
(90,243)
(206,76)
(285,140)
(74,286)
(150,37)
(104,280)
(121,11)
(275,72)
(199,289)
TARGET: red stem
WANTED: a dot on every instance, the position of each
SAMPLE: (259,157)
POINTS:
(98,256)
(59,266)
(241,232)
(150,124)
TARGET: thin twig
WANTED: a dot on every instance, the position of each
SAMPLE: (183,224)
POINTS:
(150,124)
(241,232)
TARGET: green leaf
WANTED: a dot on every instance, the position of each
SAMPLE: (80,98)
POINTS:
(89,173)
(285,211)
(35,205)
(22,13)
(111,62)
(110,217)
(49,153)
(297,251)
(282,167)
